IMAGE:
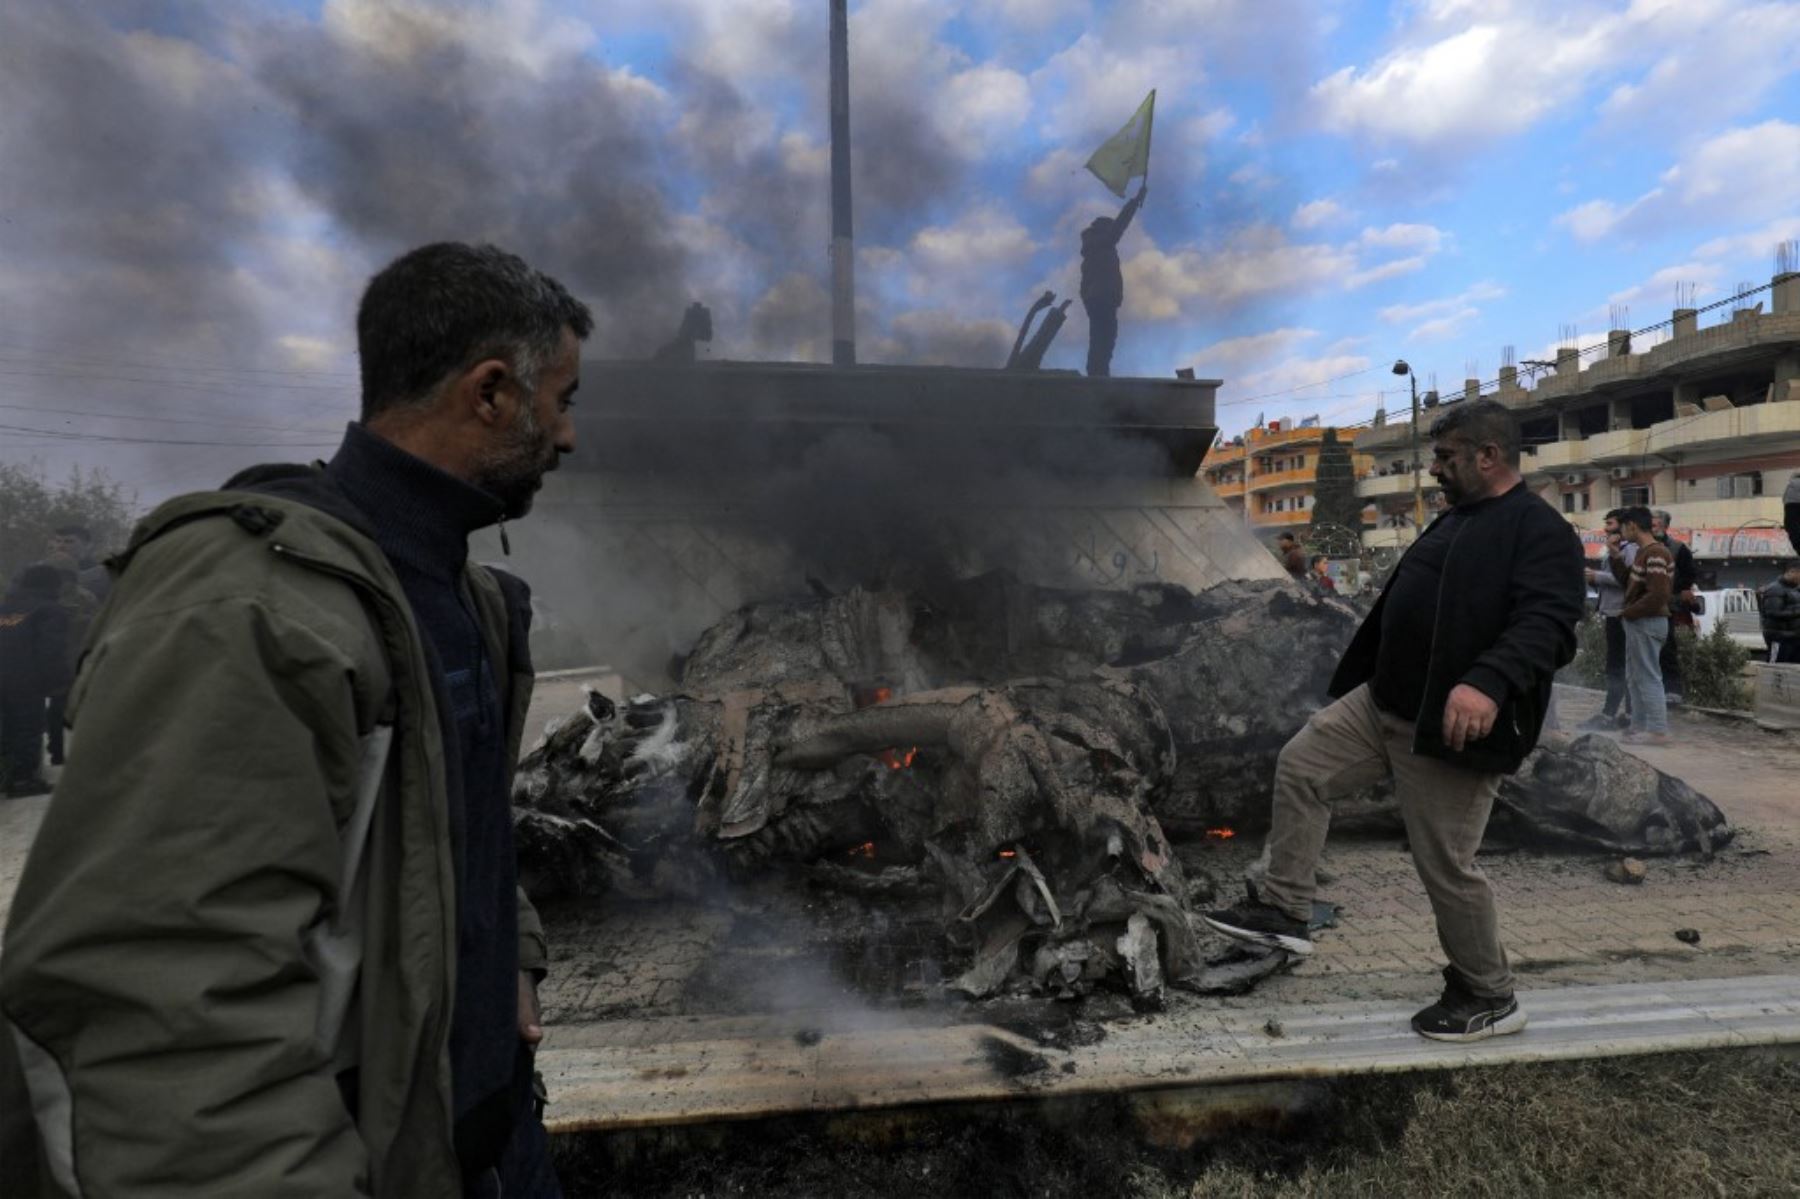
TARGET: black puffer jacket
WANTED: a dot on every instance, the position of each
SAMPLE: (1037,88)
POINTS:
(1511,593)
(1780,604)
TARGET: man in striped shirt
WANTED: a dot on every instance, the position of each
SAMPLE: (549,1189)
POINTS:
(1646,620)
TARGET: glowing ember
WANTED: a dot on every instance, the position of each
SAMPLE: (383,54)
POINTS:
(1009,853)
(897,759)
(865,850)
(1220,834)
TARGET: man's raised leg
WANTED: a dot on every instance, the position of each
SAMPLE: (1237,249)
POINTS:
(1338,752)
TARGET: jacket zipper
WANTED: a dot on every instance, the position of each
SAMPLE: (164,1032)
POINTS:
(1437,619)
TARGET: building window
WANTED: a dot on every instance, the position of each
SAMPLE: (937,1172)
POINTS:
(1740,487)
(1568,501)
(1637,495)
(1587,501)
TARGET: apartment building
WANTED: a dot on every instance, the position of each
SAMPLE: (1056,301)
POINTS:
(1269,475)
(1705,424)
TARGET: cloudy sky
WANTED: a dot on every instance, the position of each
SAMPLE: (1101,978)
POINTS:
(193,191)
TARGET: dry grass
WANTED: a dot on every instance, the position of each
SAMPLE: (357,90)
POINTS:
(1685,1125)
(1681,1125)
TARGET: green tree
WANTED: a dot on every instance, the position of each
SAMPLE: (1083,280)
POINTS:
(31,508)
(1335,501)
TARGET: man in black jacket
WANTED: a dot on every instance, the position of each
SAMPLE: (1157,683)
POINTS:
(1444,689)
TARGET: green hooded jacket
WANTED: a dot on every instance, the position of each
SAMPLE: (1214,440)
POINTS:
(240,905)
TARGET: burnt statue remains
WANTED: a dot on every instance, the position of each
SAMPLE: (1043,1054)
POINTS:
(1009,772)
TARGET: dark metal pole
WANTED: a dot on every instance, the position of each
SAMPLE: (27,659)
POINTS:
(843,243)
(1418,492)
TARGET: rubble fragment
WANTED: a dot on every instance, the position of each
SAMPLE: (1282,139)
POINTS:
(1626,870)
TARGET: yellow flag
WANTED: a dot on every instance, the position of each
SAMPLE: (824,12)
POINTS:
(1126,154)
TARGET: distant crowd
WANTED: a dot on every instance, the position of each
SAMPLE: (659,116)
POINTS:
(44,618)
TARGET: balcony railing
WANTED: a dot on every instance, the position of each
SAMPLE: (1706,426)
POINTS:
(1303,477)
(1267,519)
(1757,422)
(1372,487)
(1556,456)
(1621,445)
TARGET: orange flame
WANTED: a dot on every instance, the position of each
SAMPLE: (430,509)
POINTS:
(865,850)
(897,759)
(1009,853)
(1220,834)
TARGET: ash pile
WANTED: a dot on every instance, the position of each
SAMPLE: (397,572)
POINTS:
(1011,768)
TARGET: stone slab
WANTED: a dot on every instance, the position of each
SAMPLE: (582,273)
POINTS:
(688,1071)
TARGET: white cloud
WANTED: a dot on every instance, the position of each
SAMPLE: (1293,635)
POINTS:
(1450,88)
(1446,326)
(1091,88)
(1395,314)
(1293,385)
(984,105)
(1210,125)
(1386,270)
(1236,352)
(1425,239)
(1463,73)
(1593,220)
(1743,174)
(1315,214)
(1273,370)
(1057,175)
(1253,177)
(1718,60)
(1752,244)
(982,239)
(1255,262)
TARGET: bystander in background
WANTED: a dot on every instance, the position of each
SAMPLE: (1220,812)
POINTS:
(1608,582)
(1646,619)
(1684,602)
(34,665)
(1779,603)
(1293,558)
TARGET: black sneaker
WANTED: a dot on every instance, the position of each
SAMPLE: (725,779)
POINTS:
(1260,924)
(1601,723)
(1461,1015)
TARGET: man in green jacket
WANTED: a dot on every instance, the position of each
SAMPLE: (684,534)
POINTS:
(268,941)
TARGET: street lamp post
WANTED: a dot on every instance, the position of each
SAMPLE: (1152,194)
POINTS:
(1401,368)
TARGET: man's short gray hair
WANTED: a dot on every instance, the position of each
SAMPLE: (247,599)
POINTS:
(444,307)
(1480,422)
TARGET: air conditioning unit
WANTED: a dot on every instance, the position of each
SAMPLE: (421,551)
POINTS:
(1621,472)
(1574,480)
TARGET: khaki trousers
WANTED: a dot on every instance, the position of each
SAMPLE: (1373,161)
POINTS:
(1351,745)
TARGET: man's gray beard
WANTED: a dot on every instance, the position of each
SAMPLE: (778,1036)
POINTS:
(512,471)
